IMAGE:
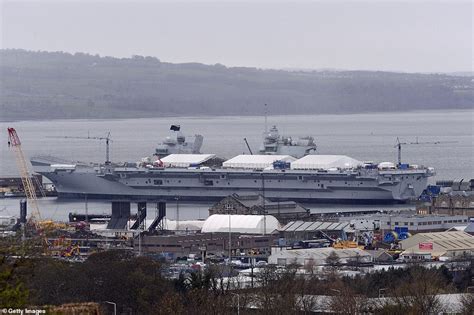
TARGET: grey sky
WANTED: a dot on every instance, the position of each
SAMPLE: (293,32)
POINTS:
(412,36)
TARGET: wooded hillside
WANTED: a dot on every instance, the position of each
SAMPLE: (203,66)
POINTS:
(45,85)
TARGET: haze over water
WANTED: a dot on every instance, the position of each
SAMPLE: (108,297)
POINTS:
(366,137)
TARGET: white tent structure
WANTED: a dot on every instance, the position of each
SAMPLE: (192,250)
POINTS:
(313,162)
(245,224)
(185,160)
(173,225)
(255,161)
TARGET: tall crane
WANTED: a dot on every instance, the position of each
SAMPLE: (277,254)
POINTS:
(399,146)
(107,143)
(30,190)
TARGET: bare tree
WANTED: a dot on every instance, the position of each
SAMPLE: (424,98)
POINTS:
(467,302)
(344,299)
(309,266)
(419,295)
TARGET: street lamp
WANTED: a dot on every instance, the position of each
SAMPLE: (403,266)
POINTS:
(238,302)
(115,306)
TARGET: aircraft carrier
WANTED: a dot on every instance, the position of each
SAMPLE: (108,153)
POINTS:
(189,175)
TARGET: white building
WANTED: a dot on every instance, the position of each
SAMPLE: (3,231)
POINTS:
(244,224)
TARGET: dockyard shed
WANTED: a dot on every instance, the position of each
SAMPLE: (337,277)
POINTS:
(313,162)
(186,160)
(256,161)
(306,230)
(244,224)
(316,256)
(451,244)
(283,211)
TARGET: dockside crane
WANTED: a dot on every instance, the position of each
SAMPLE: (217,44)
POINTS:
(30,190)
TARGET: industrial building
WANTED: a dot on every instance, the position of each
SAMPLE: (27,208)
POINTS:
(441,244)
(455,198)
(15,184)
(316,256)
(299,230)
(256,204)
(415,223)
(179,245)
(248,235)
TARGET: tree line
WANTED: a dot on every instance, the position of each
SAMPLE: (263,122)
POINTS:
(137,286)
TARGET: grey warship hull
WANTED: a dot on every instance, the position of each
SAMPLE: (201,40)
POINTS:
(364,186)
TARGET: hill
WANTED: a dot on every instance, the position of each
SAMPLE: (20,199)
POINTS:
(47,85)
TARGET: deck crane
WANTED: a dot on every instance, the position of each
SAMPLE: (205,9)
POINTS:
(107,143)
(399,146)
(248,146)
(28,186)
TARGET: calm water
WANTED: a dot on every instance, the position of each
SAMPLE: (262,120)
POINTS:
(362,136)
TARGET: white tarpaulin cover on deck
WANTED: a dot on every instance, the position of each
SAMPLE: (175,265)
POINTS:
(256,161)
(246,224)
(185,160)
(311,162)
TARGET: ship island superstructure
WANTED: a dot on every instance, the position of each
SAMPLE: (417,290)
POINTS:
(176,143)
(276,144)
(312,178)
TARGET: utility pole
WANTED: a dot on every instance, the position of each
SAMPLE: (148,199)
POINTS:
(263,206)
(87,209)
(139,232)
(177,213)
(230,239)
(265,112)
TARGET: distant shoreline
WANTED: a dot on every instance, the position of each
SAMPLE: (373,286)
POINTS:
(455,110)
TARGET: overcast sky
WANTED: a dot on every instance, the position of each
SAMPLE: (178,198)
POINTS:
(411,36)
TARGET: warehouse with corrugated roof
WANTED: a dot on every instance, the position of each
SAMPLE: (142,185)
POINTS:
(307,230)
(448,244)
